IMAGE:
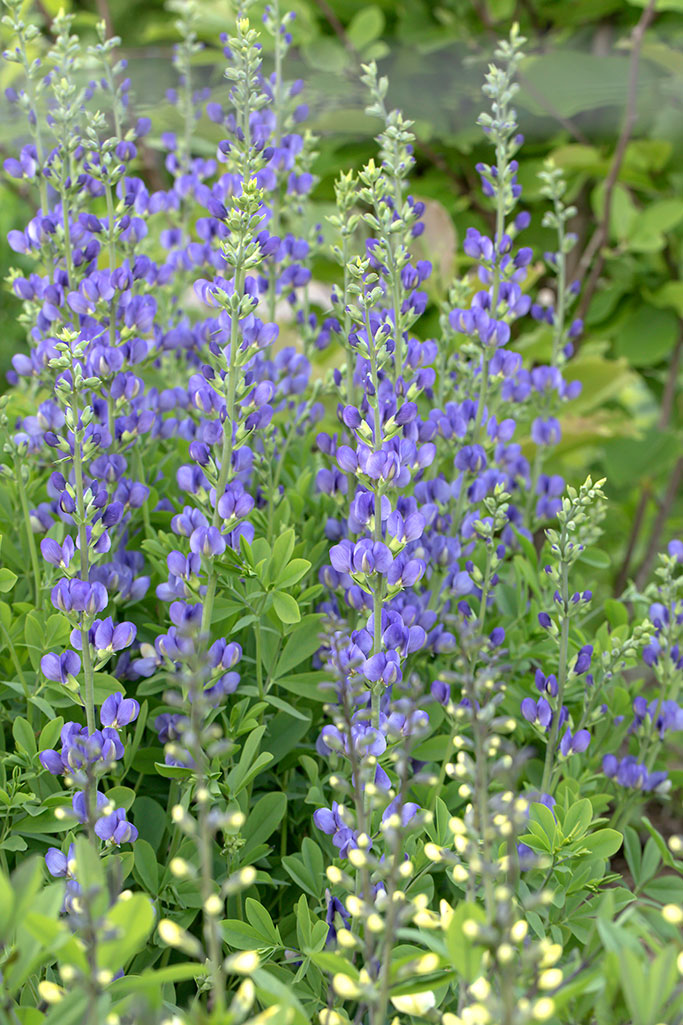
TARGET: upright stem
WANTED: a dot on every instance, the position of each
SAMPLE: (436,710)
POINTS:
(378,591)
(500,228)
(277,110)
(561,676)
(204,844)
(18,670)
(67,240)
(226,453)
(558,326)
(88,674)
(21,487)
(482,807)
(112,262)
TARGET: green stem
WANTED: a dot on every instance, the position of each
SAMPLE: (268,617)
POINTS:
(29,534)
(67,240)
(558,326)
(18,670)
(561,676)
(226,452)
(88,674)
(482,807)
(204,848)
(112,263)
(500,228)
(259,665)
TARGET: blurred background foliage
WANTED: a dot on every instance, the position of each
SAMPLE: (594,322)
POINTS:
(601,94)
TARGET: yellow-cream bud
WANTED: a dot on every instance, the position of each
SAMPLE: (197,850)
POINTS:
(213,905)
(50,992)
(480,988)
(543,1009)
(344,986)
(243,963)
(672,914)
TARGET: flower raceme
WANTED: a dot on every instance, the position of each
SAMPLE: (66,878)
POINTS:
(222,515)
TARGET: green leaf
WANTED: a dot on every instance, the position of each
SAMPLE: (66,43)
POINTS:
(632,852)
(146,867)
(50,733)
(263,820)
(24,736)
(128,923)
(546,820)
(651,224)
(72,1010)
(286,607)
(34,635)
(273,992)
(662,845)
(307,869)
(594,557)
(670,294)
(282,553)
(90,874)
(6,905)
(302,644)
(616,612)
(121,797)
(7,579)
(578,819)
(603,843)
(647,336)
(241,935)
(306,685)
(292,573)
(259,919)
(465,955)
(173,771)
(365,26)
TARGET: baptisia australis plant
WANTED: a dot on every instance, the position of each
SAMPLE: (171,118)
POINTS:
(317,658)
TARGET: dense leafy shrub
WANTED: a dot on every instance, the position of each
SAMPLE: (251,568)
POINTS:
(317,704)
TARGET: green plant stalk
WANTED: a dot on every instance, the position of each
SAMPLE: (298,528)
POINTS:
(145,509)
(378,590)
(481,801)
(561,675)
(112,264)
(210,924)
(277,110)
(19,672)
(67,240)
(33,551)
(204,845)
(558,326)
(88,674)
(226,453)
(35,128)
(379,1016)
(486,584)
(500,228)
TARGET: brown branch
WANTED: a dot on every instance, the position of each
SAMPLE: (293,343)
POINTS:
(665,507)
(105,16)
(593,251)
(338,28)
(665,413)
(638,519)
